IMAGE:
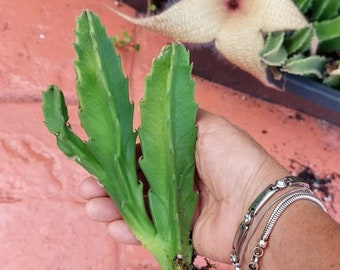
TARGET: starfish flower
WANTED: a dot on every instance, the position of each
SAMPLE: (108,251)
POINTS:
(235,26)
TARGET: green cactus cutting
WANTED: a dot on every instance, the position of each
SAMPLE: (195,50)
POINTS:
(167,135)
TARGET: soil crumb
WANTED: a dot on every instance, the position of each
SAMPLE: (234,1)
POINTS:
(208,266)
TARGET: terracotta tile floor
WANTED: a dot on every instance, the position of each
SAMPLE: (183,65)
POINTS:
(42,220)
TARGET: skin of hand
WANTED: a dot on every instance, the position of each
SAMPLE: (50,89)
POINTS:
(232,170)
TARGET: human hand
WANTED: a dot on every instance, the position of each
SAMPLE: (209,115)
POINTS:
(232,170)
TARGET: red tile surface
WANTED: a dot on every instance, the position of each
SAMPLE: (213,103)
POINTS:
(42,218)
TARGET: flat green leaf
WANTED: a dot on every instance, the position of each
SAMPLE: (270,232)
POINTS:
(274,53)
(299,41)
(55,110)
(327,30)
(328,33)
(296,57)
(168,136)
(56,120)
(106,116)
(303,5)
(330,46)
(102,91)
(312,66)
(325,10)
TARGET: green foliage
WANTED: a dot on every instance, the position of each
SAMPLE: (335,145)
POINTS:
(125,41)
(167,136)
(319,10)
(324,10)
(309,51)
(306,66)
(303,5)
(332,80)
(151,6)
(274,54)
(299,41)
(328,33)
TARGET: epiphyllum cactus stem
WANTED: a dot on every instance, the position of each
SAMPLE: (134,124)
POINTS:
(167,136)
(235,26)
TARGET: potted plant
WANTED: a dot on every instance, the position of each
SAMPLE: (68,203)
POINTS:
(287,52)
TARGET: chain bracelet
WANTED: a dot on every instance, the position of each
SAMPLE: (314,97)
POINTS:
(254,208)
(263,213)
(277,212)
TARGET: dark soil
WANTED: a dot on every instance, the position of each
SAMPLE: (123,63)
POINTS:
(318,183)
(208,266)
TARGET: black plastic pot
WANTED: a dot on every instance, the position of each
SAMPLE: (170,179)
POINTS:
(296,92)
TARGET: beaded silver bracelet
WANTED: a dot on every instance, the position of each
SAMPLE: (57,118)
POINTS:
(258,251)
(254,208)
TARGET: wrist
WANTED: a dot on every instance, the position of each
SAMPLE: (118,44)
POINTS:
(254,214)
(293,240)
(280,195)
(267,174)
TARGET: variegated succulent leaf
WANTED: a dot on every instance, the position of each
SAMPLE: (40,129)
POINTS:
(311,66)
(274,53)
(307,48)
(300,41)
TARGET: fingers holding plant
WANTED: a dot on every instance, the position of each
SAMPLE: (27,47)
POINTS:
(101,208)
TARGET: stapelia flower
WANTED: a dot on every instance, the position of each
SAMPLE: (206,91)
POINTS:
(235,26)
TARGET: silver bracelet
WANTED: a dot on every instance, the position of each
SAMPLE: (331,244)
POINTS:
(258,251)
(259,218)
(254,208)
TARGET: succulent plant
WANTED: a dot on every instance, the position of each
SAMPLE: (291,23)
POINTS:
(167,135)
(236,27)
(255,34)
(312,51)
